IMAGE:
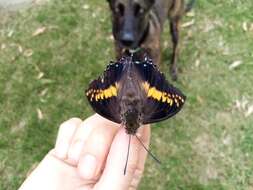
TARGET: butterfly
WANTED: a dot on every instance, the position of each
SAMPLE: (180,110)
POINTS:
(134,92)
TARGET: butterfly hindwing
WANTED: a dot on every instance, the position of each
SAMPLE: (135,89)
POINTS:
(102,93)
(162,99)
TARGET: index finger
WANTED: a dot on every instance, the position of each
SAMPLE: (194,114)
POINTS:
(113,177)
(96,147)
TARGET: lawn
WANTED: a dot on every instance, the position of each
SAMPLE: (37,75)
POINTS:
(49,53)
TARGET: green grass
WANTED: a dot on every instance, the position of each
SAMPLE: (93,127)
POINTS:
(209,145)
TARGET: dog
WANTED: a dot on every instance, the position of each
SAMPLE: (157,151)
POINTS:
(139,24)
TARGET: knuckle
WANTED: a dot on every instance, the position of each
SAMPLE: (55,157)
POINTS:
(64,126)
(69,123)
(75,119)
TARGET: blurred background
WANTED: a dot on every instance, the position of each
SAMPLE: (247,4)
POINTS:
(51,49)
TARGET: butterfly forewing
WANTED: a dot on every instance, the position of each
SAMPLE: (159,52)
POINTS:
(102,93)
(162,99)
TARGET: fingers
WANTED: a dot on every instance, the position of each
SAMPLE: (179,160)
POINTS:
(113,177)
(96,147)
(76,139)
(81,135)
(90,144)
(64,137)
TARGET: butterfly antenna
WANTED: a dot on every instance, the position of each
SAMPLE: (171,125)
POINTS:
(128,149)
(149,152)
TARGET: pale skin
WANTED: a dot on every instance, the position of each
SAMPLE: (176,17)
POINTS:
(91,154)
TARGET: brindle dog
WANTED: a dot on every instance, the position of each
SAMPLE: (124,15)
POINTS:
(139,23)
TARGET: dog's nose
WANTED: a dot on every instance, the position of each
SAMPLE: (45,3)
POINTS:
(127,39)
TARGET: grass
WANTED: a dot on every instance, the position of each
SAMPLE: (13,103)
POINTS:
(209,145)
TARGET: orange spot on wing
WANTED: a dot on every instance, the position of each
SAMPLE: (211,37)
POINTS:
(156,94)
(100,94)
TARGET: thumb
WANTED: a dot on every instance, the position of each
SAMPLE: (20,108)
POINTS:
(113,177)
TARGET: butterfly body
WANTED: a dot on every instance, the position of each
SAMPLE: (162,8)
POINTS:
(134,93)
(131,96)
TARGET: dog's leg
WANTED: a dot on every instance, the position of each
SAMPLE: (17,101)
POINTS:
(156,55)
(153,47)
(174,30)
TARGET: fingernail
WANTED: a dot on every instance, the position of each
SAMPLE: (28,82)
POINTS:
(88,166)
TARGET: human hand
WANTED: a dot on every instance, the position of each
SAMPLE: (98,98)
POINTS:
(91,155)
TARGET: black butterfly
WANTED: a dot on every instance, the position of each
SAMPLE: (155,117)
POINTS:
(133,93)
